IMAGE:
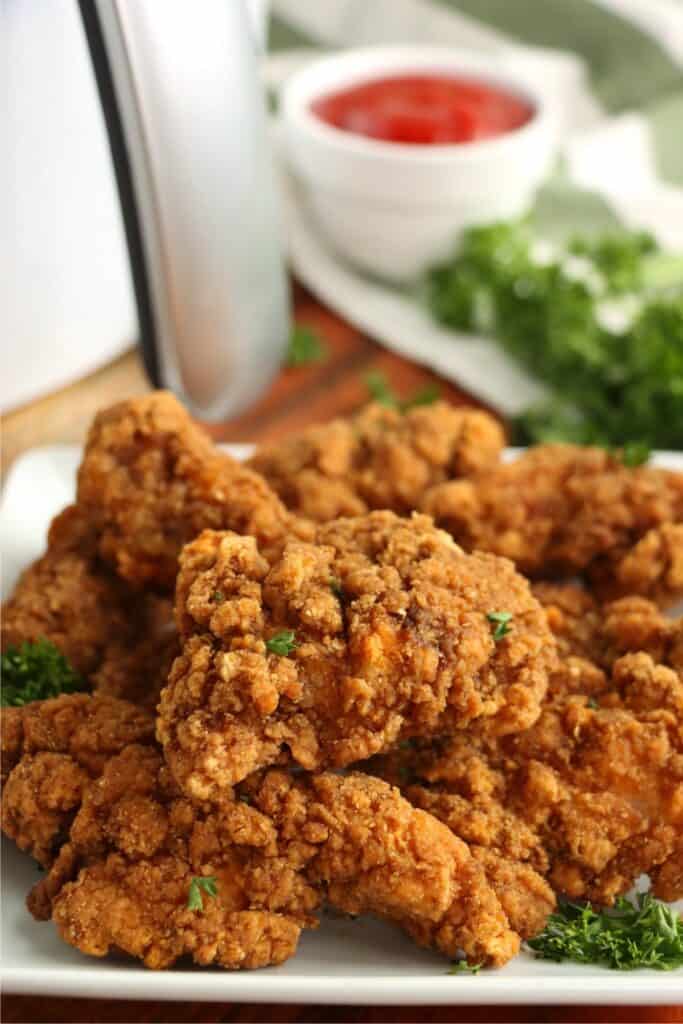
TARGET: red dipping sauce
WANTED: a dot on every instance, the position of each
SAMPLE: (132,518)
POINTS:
(424,110)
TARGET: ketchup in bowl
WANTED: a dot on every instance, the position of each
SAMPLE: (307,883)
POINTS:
(432,109)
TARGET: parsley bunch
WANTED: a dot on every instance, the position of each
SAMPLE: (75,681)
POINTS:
(36,671)
(599,321)
(642,933)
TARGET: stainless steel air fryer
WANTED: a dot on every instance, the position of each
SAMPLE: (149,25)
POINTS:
(184,109)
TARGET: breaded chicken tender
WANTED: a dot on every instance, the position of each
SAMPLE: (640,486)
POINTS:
(137,848)
(635,625)
(591,636)
(379,631)
(653,567)
(379,459)
(591,796)
(151,480)
(51,750)
(67,598)
(121,641)
(135,665)
(561,509)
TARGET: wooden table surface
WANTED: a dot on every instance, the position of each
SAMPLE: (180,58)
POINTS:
(296,398)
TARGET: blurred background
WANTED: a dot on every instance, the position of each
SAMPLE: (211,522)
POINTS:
(183,212)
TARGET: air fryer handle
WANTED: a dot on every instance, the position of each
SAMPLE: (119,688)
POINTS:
(184,109)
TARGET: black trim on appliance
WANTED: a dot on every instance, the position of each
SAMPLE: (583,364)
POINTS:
(126,190)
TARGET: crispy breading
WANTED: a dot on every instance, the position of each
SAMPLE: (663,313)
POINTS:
(391,639)
(136,844)
(379,459)
(135,847)
(574,616)
(51,750)
(66,598)
(151,480)
(561,509)
(652,567)
(634,624)
(41,795)
(136,667)
(121,641)
(594,790)
(591,636)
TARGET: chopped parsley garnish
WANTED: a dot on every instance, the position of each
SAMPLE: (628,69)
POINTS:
(463,967)
(500,620)
(305,346)
(599,320)
(641,933)
(36,671)
(282,643)
(592,704)
(201,884)
(382,392)
(218,597)
(635,453)
(336,588)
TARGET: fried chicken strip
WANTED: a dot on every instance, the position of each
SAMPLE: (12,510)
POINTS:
(124,879)
(389,637)
(151,480)
(591,636)
(562,509)
(121,641)
(378,459)
(67,598)
(591,795)
(51,750)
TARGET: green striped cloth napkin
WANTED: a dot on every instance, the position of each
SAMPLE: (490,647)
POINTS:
(616,69)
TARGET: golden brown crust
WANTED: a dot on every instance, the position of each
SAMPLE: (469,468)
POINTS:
(50,752)
(135,667)
(121,641)
(151,480)
(652,567)
(595,789)
(66,598)
(135,848)
(634,624)
(591,636)
(558,508)
(123,880)
(40,797)
(379,459)
(392,640)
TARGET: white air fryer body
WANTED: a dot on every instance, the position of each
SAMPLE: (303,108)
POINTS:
(196,275)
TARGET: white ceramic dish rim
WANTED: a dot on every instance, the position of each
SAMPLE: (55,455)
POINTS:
(368,63)
(524,981)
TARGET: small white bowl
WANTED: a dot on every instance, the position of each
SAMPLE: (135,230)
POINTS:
(392,208)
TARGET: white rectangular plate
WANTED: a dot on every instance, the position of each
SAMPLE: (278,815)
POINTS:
(348,962)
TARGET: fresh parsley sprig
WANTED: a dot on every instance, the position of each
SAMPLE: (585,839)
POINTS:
(464,967)
(36,671)
(382,392)
(641,933)
(282,643)
(501,623)
(305,346)
(600,321)
(201,884)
